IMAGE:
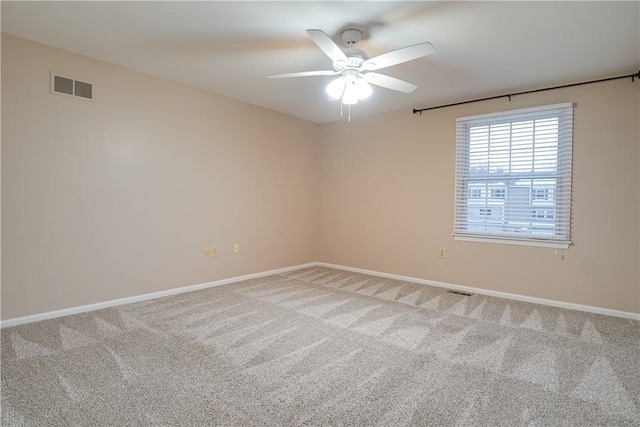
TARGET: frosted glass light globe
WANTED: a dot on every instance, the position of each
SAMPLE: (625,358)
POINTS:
(336,88)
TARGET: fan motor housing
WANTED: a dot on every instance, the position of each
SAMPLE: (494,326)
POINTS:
(352,52)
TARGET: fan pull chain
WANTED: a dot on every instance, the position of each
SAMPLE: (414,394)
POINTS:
(348,111)
(342,106)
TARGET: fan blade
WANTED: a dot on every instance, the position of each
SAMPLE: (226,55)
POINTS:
(304,74)
(327,45)
(389,82)
(398,56)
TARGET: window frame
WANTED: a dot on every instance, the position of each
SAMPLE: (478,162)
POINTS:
(554,229)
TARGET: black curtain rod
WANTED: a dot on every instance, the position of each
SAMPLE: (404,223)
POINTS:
(632,76)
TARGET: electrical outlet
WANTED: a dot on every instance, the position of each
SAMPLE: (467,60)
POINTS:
(442,253)
(236,248)
(214,250)
(207,251)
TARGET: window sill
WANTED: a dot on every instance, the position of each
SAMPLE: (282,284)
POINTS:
(519,242)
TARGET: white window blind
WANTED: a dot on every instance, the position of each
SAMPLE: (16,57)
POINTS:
(513,176)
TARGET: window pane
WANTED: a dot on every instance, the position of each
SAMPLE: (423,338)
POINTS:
(508,178)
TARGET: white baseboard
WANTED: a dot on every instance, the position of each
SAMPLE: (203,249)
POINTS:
(497,294)
(97,306)
(90,307)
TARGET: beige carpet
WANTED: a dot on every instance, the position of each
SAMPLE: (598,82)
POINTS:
(323,347)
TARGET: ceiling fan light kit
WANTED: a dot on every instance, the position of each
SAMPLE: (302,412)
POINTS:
(349,87)
(355,68)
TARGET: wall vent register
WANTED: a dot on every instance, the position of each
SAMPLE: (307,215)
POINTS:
(67,86)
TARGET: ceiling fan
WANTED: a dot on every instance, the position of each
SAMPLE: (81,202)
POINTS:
(356,69)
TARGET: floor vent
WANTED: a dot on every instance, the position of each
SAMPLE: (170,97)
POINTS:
(61,85)
(465,294)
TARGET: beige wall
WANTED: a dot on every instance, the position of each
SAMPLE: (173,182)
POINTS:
(118,197)
(388,194)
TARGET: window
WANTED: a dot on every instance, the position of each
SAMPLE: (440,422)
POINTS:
(513,176)
(540,194)
(498,193)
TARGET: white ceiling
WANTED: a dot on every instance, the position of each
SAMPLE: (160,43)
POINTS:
(482,48)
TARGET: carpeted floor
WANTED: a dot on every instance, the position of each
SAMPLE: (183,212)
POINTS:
(323,347)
